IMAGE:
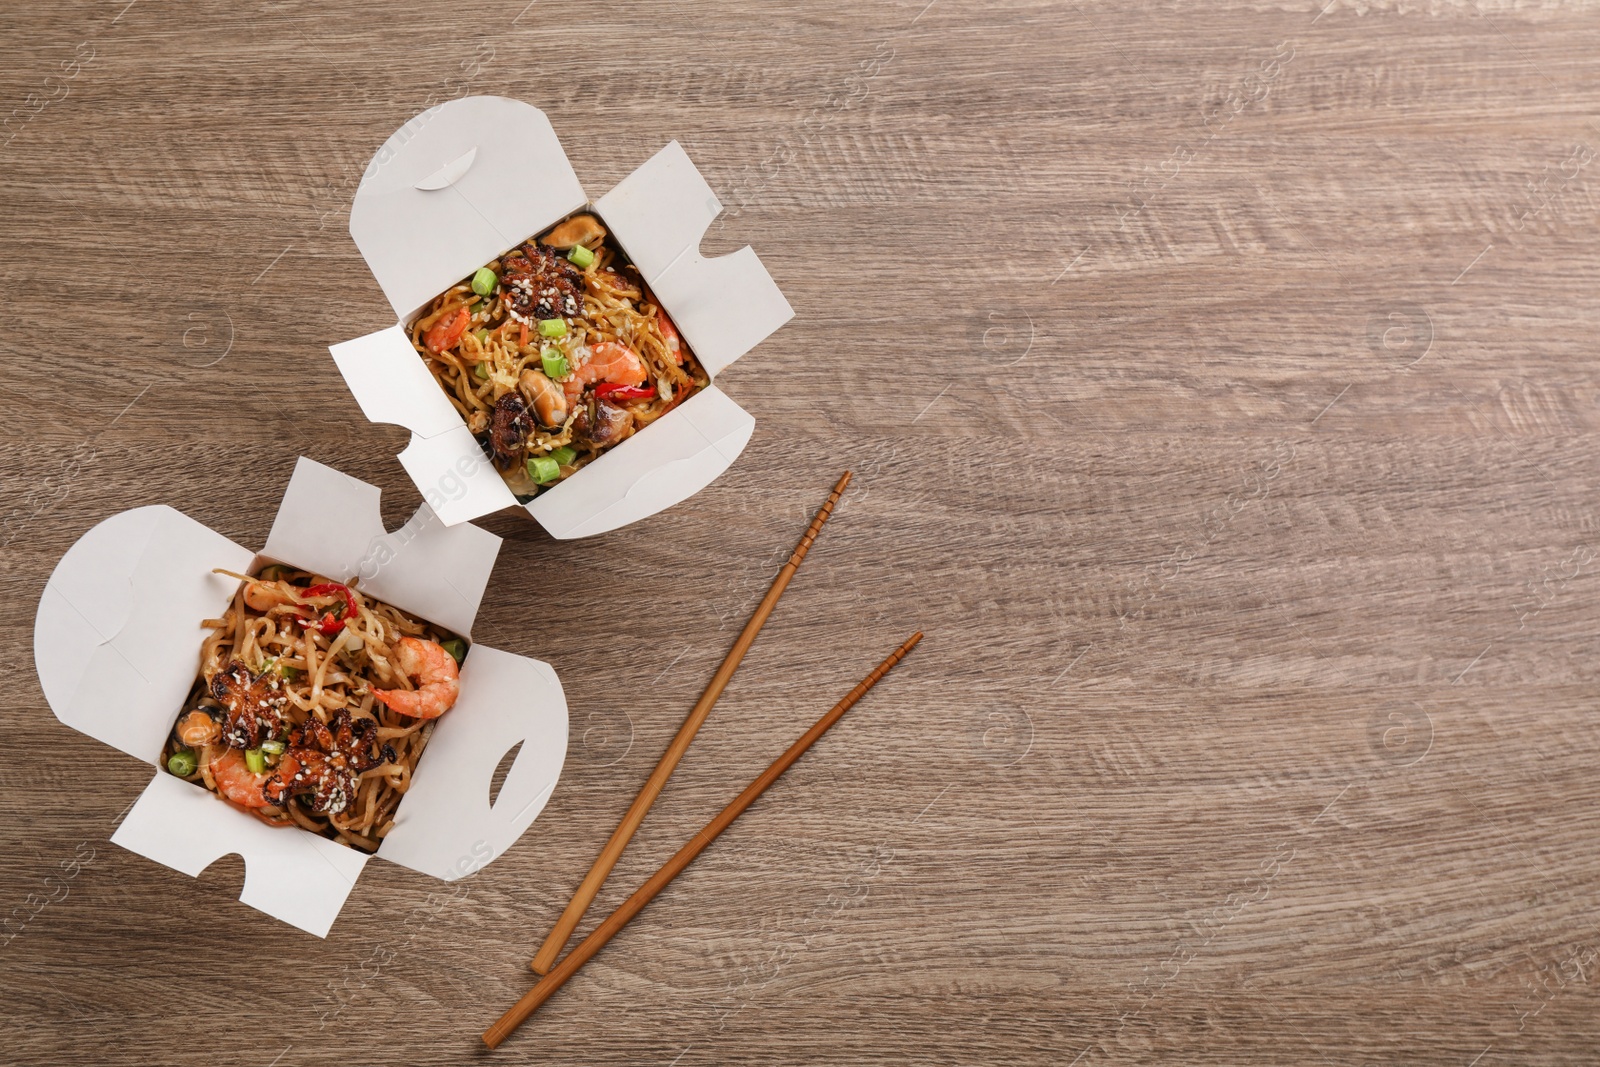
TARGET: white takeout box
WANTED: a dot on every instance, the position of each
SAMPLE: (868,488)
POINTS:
(461,183)
(117,645)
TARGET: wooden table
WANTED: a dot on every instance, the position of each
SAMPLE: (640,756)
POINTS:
(1218,381)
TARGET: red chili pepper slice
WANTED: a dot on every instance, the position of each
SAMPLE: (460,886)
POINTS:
(331,621)
(613,391)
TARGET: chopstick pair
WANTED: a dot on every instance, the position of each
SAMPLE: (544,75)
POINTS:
(546,959)
(589,946)
(585,893)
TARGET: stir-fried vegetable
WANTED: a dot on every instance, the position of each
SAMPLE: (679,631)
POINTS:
(543,469)
(613,391)
(571,354)
(331,621)
(283,670)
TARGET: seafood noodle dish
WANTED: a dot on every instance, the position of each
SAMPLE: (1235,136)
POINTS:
(554,353)
(313,704)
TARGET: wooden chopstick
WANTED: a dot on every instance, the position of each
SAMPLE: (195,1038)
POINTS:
(584,896)
(608,929)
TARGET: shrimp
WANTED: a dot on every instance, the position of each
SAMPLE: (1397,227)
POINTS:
(237,782)
(435,672)
(264,596)
(446,333)
(669,334)
(609,361)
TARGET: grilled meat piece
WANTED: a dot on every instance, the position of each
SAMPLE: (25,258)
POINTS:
(539,283)
(609,425)
(509,428)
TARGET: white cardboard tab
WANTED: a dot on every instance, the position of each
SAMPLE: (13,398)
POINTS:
(116,643)
(466,747)
(659,214)
(499,161)
(465,181)
(678,458)
(329,523)
(392,385)
(297,877)
(117,634)
(325,521)
(388,381)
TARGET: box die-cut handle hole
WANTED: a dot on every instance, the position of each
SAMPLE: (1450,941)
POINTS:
(502,769)
(450,173)
(227,874)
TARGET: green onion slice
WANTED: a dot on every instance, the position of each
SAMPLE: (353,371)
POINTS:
(555,364)
(543,469)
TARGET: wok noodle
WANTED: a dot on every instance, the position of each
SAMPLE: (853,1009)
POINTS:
(313,704)
(554,353)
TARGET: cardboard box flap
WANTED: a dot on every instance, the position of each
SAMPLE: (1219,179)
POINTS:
(463,182)
(670,460)
(116,639)
(330,523)
(116,642)
(325,521)
(446,826)
(723,307)
(300,878)
(452,189)
(392,384)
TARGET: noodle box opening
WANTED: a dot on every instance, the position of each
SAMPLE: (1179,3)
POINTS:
(117,643)
(461,183)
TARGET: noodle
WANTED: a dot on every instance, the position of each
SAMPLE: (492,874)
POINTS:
(320,668)
(485,355)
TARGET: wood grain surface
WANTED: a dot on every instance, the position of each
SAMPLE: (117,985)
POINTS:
(1218,383)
